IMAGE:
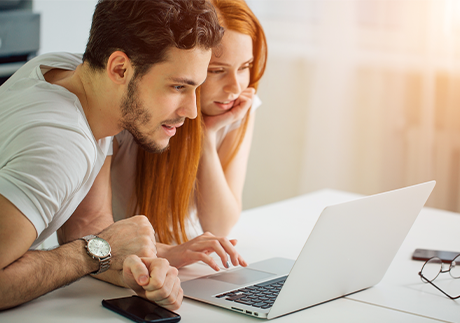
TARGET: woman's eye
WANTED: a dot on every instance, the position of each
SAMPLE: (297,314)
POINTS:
(246,66)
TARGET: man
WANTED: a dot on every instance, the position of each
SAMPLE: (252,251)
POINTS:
(142,65)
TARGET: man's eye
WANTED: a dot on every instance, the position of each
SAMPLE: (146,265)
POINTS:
(179,87)
(215,71)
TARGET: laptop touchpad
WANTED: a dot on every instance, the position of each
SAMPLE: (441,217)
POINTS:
(241,276)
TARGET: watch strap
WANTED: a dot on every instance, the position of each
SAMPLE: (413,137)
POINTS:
(104,264)
(88,237)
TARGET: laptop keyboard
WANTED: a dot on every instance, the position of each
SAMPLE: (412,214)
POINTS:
(261,295)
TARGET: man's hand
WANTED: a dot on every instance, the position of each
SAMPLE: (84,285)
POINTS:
(237,112)
(133,236)
(199,249)
(154,279)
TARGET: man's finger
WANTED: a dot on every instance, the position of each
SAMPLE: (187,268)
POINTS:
(165,292)
(158,269)
(138,269)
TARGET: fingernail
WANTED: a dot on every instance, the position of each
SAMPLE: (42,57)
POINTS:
(228,264)
(143,279)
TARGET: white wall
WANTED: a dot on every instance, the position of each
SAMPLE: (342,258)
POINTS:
(65,24)
(360,95)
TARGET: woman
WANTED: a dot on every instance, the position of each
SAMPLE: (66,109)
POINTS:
(203,173)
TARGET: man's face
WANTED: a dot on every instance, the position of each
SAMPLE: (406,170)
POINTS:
(158,102)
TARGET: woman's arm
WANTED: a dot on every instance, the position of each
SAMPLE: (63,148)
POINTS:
(219,192)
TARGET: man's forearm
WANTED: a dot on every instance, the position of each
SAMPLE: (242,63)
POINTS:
(39,272)
(114,277)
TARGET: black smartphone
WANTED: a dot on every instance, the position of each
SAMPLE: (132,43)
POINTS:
(425,254)
(140,310)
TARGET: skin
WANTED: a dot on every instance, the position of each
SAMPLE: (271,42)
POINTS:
(165,95)
(227,81)
(199,249)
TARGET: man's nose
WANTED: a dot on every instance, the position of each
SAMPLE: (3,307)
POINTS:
(188,108)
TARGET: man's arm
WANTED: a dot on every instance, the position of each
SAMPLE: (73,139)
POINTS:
(94,214)
(134,261)
(27,274)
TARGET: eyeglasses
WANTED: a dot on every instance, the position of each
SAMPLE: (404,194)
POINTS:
(434,266)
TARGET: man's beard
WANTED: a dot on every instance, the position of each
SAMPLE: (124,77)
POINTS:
(134,115)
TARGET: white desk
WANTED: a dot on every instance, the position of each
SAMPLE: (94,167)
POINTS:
(400,297)
(402,289)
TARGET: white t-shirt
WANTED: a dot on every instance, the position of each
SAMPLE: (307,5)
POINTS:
(49,157)
(123,170)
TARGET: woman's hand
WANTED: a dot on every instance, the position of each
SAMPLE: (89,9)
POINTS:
(199,249)
(237,112)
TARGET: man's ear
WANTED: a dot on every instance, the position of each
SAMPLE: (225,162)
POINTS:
(119,68)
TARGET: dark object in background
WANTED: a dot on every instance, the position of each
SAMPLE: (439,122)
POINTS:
(425,254)
(19,35)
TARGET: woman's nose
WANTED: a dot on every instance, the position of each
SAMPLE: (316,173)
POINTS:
(232,84)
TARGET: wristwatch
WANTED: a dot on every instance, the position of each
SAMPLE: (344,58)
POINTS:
(98,249)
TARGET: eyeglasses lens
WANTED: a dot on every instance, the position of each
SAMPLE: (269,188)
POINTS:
(455,267)
(432,268)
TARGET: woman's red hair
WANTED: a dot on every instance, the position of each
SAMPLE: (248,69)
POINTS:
(237,16)
(165,183)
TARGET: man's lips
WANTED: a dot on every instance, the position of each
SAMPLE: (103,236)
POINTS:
(170,129)
(177,125)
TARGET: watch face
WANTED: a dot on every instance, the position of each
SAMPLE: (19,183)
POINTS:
(99,247)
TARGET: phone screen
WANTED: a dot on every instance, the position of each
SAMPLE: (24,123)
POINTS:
(140,310)
(425,254)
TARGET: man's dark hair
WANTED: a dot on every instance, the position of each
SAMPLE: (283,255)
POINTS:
(145,29)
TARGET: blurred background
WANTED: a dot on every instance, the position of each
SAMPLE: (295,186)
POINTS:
(358,95)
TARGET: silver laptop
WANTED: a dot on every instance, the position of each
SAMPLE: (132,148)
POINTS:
(349,249)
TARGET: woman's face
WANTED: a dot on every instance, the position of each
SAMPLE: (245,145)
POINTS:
(228,73)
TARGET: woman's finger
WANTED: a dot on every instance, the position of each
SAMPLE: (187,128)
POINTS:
(201,256)
(230,250)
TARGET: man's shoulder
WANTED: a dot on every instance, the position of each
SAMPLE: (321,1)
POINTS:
(57,60)
(33,70)
(48,121)
(41,104)
(32,101)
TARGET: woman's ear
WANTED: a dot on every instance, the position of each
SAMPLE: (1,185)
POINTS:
(119,68)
